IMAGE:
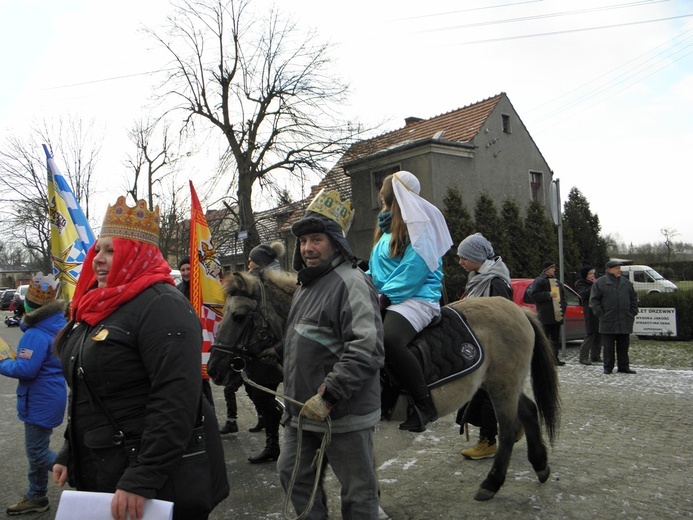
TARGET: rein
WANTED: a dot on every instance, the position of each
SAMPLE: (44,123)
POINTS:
(317,463)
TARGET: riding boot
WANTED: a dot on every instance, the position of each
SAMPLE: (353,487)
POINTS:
(422,412)
(271,417)
(271,451)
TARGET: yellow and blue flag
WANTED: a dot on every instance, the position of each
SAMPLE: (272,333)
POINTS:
(71,236)
(206,290)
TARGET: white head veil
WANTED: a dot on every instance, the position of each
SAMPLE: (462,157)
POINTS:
(426,225)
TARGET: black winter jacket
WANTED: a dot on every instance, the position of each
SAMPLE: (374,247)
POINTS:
(614,301)
(143,361)
(539,292)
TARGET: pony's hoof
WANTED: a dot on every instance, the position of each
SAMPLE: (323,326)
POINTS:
(482,495)
(543,474)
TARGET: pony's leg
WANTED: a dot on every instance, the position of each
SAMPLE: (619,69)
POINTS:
(536,450)
(508,426)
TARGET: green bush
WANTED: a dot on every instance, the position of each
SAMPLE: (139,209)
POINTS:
(682,301)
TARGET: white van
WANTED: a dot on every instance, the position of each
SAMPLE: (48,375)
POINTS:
(646,279)
(22,289)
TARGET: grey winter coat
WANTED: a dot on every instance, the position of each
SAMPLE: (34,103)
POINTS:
(615,303)
(334,337)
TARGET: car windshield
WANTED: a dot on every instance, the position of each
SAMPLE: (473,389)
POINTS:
(654,274)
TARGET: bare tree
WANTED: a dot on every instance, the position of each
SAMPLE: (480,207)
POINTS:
(151,162)
(267,90)
(669,235)
(23,181)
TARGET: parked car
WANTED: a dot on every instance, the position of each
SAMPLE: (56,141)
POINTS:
(574,315)
(6,299)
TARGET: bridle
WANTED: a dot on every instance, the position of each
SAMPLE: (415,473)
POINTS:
(242,352)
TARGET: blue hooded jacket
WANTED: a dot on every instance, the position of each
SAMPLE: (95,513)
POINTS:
(41,391)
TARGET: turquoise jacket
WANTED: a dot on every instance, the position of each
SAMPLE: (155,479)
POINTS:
(404,277)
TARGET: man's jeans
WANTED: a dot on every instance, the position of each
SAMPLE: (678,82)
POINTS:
(40,457)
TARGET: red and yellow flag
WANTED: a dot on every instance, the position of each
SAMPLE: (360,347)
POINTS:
(206,291)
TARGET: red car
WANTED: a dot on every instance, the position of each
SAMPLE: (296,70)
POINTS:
(574,314)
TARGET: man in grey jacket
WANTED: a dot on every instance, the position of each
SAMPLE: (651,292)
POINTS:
(615,303)
(332,355)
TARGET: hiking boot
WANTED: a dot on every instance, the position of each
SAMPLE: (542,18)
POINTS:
(28,505)
(229,427)
(483,450)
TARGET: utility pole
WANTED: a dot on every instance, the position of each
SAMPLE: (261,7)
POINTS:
(556,215)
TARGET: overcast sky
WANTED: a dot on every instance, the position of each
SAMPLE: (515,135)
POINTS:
(604,87)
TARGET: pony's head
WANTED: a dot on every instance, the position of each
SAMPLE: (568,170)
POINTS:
(253,320)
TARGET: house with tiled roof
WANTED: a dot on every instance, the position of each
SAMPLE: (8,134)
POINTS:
(482,147)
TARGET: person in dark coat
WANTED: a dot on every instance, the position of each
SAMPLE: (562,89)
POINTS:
(131,358)
(265,258)
(591,347)
(488,276)
(41,392)
(615,303)
(548,294)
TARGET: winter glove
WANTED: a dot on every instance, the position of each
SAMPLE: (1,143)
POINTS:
(384,302)
(316,408)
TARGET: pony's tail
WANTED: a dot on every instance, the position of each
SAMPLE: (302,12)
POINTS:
(545,379)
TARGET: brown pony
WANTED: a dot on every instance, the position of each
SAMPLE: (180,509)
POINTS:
(514,343)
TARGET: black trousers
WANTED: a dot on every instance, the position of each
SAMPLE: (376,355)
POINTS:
(401,361)
(620,344)
(553,331)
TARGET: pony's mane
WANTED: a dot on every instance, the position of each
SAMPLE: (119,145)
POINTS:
(278,284)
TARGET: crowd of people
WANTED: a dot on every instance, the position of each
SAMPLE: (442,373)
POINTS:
(134,396)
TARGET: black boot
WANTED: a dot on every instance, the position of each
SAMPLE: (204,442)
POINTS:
(231,426)
(259,426)
(271,451)
(421,413)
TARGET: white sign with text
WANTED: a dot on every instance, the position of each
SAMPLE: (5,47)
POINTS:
(655,321)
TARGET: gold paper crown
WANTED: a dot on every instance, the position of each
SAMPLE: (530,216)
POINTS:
(136,223)
(330,205)
(42,289)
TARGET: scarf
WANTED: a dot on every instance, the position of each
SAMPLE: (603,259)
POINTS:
(479,283)
(385,221)
(135,267)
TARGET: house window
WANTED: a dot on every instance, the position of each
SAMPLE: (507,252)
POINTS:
(506,124)
(378,177)
(535,185)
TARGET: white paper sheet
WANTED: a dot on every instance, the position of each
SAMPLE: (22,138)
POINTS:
(85,505)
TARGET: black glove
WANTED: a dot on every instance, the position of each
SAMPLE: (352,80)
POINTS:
(383,302)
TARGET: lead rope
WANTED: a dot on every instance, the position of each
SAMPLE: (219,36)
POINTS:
(317,463)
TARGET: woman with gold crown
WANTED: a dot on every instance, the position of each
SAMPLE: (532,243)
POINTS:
(131,357)
(406,268)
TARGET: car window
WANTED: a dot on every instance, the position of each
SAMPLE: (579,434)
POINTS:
(571,298)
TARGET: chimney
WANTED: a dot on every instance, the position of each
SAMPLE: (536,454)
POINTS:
(411,120)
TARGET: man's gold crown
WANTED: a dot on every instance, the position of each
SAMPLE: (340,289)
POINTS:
(42,289)
(136,223)
(330,205)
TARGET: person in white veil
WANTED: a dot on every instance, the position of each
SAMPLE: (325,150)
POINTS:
(406,268)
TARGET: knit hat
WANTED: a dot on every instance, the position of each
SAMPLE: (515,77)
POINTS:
(42,290)
(263,255)
(547,265)
(475,248)
(584,271)
(183,261)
